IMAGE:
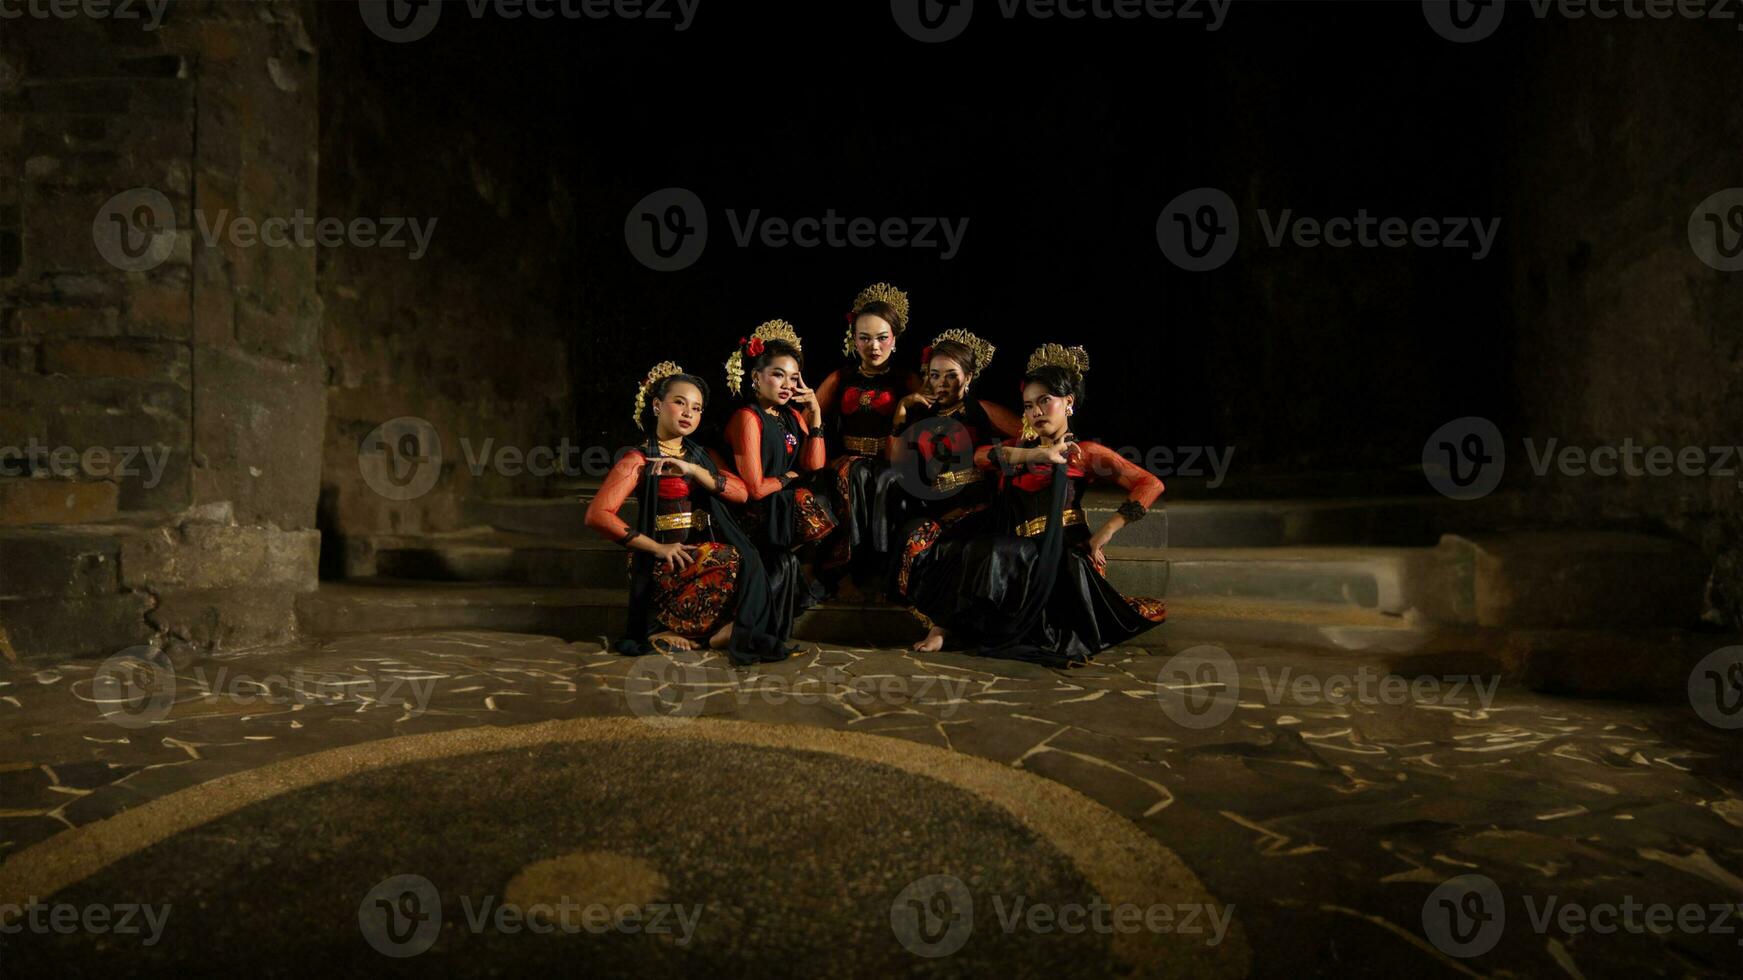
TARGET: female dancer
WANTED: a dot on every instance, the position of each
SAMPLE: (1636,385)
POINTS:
(1036,588)
(776,438)
(691,566)
(859,403)
(933,455)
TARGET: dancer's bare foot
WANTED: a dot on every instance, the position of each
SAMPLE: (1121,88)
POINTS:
(672,640)
(933,642)
(721,638)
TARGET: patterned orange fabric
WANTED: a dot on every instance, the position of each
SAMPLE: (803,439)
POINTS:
(695,600)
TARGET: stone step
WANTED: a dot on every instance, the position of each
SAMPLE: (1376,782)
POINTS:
(1404,521)
(1377,578)
(385,605)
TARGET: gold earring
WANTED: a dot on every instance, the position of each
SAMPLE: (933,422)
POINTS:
(1029,433)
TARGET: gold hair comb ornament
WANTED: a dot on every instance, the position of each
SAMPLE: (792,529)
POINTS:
(878,292)
(983,351)
(771,330)
(656,374)
(1073,359)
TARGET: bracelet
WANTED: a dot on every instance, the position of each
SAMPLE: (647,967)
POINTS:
(626,539)
(1132,511)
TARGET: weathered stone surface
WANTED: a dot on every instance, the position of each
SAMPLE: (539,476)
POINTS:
(32,501)
(91,626)
(259,427)
(1551,580)
(228,618)
(211,556)
(118,359)
(71,561)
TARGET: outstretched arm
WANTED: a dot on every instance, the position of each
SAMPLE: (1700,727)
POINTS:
(623,480)
(732,489)
(1003,419)
(1103,465)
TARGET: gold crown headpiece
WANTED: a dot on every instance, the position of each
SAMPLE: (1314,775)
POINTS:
(771,330)
(878,292)
(1073,359)
(658,373)
(983,351)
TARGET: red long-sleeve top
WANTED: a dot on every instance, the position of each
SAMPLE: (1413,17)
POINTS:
(744,434)
(625,479)
(1093,460)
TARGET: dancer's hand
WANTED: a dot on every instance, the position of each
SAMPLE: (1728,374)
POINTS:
(1097,557)
(807,398)
(675,555)
(666,466)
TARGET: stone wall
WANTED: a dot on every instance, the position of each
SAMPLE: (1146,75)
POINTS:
(472,335)
(162,374)
(1620,131)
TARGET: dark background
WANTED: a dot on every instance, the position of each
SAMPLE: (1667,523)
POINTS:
(1060,142)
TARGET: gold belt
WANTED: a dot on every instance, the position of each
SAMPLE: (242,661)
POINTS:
(678,520)
(958,478)
(1034,526)
(865,445)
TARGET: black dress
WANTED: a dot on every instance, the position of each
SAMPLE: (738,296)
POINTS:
(1016,578)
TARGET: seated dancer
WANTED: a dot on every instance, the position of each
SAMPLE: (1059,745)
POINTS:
(776,438)
(690,565)
(932,453)
(1030,581)
(858,404)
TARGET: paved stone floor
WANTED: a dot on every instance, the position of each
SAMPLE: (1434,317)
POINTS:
(1343,822)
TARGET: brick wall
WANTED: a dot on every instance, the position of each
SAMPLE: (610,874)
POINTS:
(123,329)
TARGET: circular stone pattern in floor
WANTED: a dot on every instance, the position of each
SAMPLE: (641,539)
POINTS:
(765,860)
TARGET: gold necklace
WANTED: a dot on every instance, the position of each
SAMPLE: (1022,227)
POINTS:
(865,372)
(675,448)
